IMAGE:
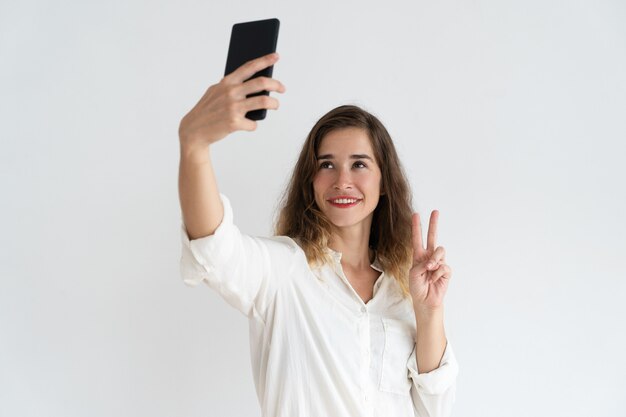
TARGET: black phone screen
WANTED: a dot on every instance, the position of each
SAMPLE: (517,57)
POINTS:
(250,40)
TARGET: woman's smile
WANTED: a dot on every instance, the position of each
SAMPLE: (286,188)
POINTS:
(344,201)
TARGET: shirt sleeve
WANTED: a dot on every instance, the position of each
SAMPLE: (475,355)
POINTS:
(433,393)
(244,270)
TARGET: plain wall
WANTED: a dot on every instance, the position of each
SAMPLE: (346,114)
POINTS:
(509,118)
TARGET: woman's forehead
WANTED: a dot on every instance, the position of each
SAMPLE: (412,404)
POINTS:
(346,141)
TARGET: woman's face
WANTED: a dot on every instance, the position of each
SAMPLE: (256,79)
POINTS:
(346,167)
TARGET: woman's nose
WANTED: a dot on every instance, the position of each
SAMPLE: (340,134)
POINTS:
(344,179)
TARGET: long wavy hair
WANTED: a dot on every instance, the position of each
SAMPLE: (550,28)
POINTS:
(390,235)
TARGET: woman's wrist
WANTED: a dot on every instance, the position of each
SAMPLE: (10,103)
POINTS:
(426,314)
(194,153)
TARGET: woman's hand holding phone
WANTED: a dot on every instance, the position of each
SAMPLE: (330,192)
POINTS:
(223,107)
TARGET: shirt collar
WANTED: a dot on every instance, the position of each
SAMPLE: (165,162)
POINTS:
(337,256)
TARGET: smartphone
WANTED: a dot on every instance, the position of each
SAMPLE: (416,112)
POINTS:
(250,40)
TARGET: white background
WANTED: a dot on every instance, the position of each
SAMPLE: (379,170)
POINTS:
(509,118)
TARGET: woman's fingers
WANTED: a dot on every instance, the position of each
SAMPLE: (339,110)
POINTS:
(432,230)
(250,68)
(260,102)
(247,124)
(223,107)
(260,84)
(437,258)
(444,271)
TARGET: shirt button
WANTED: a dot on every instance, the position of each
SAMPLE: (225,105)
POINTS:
(363,309)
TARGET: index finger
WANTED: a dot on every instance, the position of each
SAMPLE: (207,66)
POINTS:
(432,231)
(251,67)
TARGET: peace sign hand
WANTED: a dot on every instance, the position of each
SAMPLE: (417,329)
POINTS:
(428,284)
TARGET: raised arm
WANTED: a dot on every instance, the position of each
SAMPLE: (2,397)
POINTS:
(220,111)
(199,196)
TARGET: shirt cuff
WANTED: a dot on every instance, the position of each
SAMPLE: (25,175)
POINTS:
(438,380)
(199,255)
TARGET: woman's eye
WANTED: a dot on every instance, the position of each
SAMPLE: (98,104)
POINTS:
(329,165)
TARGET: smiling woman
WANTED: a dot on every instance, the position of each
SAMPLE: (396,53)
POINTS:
(350,154)
(345,315)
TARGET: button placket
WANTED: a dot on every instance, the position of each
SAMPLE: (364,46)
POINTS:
(364,342)
(339,271)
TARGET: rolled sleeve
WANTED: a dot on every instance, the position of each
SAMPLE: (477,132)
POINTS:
(200,255)
(433,393)
(244,270)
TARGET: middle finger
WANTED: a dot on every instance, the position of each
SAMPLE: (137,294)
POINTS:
(432,231)
(260,102)
(261,84)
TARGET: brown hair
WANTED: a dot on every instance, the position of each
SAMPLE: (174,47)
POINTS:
(301,219)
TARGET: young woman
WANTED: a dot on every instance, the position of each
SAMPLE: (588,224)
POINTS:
(345,304)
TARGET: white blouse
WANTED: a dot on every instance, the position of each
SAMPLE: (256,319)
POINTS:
(316,348)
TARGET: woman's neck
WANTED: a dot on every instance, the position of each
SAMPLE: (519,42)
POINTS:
(356,256)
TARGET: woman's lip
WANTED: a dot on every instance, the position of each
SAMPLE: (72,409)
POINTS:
(344,205)
(344,197)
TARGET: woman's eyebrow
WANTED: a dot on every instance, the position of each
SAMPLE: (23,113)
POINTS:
(355,156)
